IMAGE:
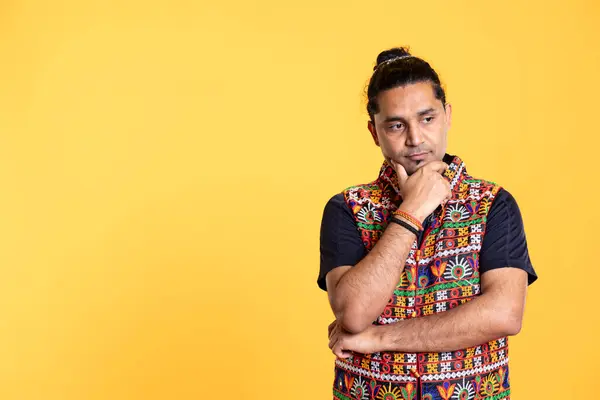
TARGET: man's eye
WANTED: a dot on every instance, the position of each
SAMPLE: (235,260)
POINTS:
(428,119)
(396,127)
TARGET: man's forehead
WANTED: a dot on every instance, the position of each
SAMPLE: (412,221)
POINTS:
(409,99)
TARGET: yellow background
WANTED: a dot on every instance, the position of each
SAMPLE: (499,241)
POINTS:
(164,167)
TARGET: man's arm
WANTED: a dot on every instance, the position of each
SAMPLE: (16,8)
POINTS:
(359,294)
(496,313)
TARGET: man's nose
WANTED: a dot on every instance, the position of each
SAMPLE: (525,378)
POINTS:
(414,136)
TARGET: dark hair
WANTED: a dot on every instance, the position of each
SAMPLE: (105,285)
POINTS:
(397,67)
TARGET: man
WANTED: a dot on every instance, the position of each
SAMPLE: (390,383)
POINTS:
(426,268)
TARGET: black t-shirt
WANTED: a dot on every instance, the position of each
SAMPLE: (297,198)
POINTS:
(504,242)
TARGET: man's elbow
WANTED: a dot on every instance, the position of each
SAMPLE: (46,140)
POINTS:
(352,321)
(353,326)
(510,324)
(350,315)
(514,327)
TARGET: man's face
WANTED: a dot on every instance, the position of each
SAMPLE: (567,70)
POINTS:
(411,126)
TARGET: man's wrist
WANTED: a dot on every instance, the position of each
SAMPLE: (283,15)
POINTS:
(406,224)
(387,337)
(413,212)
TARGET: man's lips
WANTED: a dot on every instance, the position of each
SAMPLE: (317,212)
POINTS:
(418,156)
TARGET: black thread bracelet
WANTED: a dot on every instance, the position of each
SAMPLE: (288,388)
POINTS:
(406,225)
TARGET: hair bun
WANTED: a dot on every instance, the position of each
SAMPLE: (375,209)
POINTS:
(390,54)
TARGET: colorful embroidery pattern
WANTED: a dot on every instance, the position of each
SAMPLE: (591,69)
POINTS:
(440,275)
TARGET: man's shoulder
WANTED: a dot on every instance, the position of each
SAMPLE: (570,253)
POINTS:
(337,211)
(363,190)
(336,200)
(485,186)
(337,203)
(373,185)
(499,197)
(344,200)
(500,192)
(479,180)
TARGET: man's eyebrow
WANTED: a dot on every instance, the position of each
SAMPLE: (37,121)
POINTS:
(395,118)
(425,112)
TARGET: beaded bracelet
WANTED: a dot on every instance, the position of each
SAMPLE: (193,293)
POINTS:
(409,218)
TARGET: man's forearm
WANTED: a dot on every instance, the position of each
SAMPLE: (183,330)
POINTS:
(364,290)
(482,319)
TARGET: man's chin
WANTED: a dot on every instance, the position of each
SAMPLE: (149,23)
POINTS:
(414,165)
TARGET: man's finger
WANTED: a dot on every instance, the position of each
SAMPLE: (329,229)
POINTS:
(335,330)
(338,350)
(332,342)
(330,328)
(438,166)
(400,171)
(334,336)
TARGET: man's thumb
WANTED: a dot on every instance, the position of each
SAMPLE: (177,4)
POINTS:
(400,171)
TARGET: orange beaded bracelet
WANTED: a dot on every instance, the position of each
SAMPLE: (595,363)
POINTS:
(409,218)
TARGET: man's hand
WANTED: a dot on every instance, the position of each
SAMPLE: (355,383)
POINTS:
(423,191)
(341,342)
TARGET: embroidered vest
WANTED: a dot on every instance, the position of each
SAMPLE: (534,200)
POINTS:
(440,274)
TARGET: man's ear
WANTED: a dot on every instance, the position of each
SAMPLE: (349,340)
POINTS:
(448,109)
(373,132)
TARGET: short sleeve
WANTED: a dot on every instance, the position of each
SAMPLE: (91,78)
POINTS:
(340,241)
(504,242)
